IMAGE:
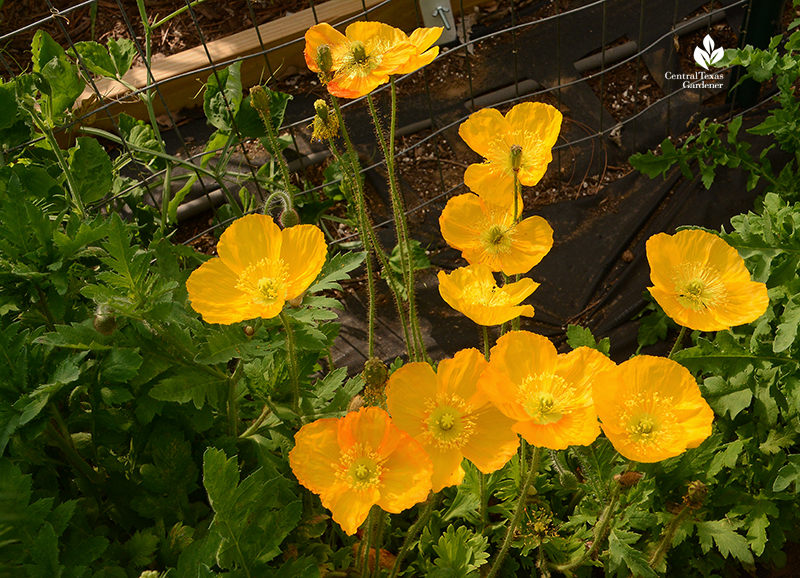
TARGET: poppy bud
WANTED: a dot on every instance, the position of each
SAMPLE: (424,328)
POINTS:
(289,218)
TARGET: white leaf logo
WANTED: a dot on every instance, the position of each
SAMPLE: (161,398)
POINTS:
(708,56)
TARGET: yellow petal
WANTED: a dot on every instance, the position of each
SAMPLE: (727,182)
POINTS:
(366,31)
(316,449)
(532,240)
(460,222)
(534,127)
(481,128)
(406,477)
(447,470)
(213,294)
(324,34)
(407,392)
(351,508)
(371,428)
(249,240)
(493,442)
(303,249)
(745,302)
(492,185)
(459,376)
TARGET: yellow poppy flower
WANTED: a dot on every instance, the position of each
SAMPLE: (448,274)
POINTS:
(548,395)
(422,39)
(651,408)
(701,282)
(519,142)
(259,268)
(446,413)
(473,291)
(488,234)
(362,58)
(358,461)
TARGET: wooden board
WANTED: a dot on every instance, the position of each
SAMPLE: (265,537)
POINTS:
(181,88)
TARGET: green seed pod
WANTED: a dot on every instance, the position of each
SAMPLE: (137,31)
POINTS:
(104,322)
(324,59)
(375,372)
(260,99)
(289,218)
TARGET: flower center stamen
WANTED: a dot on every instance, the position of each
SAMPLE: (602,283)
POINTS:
(699,287)
(359,467)
(359,52)
(496,239)
(536,396)
(485,293)
(650,424)
(448,423)
(264,281)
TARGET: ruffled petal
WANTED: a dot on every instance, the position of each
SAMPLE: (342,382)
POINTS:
(324,34)
(316,449)
(406,477)
(409,389)
(481,128)
(461,220)
(249,240)
(532,240)
(493,442)
(744,302)
(213,294)
(492,185)
(351,508)
(303,249)
(371,428)
(459,376)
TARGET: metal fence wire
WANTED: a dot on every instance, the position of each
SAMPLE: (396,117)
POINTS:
(615,68)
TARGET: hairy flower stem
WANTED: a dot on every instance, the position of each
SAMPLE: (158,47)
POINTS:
(275,146)
(485,342)
(364,551)
(599,533)
(523,498)
(401,227)
(291,358)
(45,129)
(515,323)
(256,424)
(666,539)
(233,410)
(413,531)
(367,233)
(678,343)
(363,226)
(376,566)
(484,500)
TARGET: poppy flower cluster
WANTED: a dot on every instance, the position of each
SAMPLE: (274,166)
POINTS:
(355,63)
(485,224)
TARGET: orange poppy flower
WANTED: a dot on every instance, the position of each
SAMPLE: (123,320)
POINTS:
(519,142)
(489,234)
(259,268)
(548,395)
(651,408)
(358,461)
(422,39)
(474,292)
(446,413)
(701,282)
(362,58)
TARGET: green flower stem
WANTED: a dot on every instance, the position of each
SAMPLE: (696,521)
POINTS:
(599,533)
(678,343)
(365,548)
(291,357)
(274,144)
(484,500)
(63,440)
(147,98)
(413,531)
(412,293)
(45,129)
(401,228)
(174,14)
(367,231)
(666,539)
(256,424)
(376,566)
(523,457)
(523,498)
(363,225)
(485,342)
(233,410)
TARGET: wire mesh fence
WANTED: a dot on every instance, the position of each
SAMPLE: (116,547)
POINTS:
(618,69)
